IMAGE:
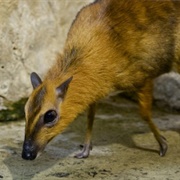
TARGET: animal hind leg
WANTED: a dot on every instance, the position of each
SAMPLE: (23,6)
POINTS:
(87,144)
(145,103)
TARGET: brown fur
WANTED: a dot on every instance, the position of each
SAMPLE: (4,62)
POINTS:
(112,45)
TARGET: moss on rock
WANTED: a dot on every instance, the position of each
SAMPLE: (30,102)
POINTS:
(14,111)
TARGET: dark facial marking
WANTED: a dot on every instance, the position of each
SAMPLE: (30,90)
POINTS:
(35,105)
(37,100)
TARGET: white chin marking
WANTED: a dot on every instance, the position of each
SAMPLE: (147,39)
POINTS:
(38,154)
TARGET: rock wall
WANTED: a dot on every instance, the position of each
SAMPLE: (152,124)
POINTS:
(167,91)
(32,32)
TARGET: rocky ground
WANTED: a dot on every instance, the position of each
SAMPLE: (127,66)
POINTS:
(124,148)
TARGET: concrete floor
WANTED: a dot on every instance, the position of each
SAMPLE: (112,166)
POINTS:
(124,148)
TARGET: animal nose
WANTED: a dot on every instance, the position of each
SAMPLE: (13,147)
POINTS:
(28,156)
(29,152)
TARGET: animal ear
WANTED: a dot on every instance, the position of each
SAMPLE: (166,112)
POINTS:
(62,89)
(35,80)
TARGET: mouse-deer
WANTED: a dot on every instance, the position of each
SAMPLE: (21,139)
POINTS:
(111,45)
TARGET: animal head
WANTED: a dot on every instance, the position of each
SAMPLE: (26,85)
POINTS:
(43,114)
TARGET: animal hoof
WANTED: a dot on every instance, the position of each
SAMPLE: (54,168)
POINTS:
(85,151)
(163,146)
(81,155)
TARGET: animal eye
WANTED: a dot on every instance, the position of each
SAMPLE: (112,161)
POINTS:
(50,116)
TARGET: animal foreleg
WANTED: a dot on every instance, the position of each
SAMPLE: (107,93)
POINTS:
(88,144)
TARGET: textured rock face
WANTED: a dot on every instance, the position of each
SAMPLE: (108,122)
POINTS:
(167,91)
(32,32)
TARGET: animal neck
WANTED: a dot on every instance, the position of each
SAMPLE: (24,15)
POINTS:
(86,88)
(90,79)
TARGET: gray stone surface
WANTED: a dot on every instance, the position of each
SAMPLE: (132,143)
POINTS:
(167,91)
(123,148)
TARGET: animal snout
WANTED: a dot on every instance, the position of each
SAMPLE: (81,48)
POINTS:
(29,151)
